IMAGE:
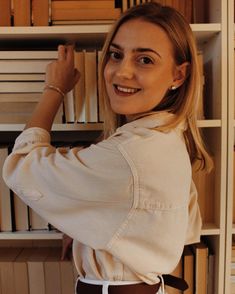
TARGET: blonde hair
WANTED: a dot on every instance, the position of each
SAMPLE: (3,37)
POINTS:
(183,102)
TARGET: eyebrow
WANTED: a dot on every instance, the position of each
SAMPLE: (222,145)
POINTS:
(139,49)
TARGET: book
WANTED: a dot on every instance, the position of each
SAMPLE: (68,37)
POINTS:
(21,214)
(20,97)
(22,12)
(124,5)
(5,13)
(36,222)
(81,22)
(63,5)
(5,197)
(52,271)
(36,273)
(21,280)
(200,251)
(205,184)
(7,257)
(19,87)
(67,277)
(100,101)
(188,269)
(79,89)
(85,14)
(21,77)
(200,111)
(69,112)
(40,12)
(91,99)
(23,65)
(28,54)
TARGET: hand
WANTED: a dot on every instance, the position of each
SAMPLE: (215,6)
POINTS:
(66,247)
(61,72)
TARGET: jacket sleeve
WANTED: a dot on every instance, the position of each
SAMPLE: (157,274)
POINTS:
(80,192)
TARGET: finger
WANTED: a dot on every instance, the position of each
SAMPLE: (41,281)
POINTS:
(61,52)
(70,54)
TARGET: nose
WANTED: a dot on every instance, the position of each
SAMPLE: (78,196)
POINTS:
(125,69)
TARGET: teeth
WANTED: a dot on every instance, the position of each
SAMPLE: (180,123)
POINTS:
(126,90)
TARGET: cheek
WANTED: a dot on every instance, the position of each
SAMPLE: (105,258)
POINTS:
(107,73)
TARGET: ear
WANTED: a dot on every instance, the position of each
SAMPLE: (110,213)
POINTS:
(180,74)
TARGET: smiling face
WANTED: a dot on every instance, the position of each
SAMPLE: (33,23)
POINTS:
(140,68)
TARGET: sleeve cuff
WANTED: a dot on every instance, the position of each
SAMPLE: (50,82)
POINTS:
(31,136)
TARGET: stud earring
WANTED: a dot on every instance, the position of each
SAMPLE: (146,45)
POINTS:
(173,88)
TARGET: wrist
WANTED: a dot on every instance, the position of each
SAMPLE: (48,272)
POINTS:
(55,89)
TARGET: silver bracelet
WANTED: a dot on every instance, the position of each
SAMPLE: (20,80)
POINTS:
(55,89)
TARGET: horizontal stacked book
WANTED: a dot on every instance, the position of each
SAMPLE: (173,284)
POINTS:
(66,12)
(22,75)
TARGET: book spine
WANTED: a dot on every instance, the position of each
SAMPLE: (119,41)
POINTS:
(22,12)
(5,13)
(40,12)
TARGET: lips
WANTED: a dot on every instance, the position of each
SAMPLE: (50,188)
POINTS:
(123,90)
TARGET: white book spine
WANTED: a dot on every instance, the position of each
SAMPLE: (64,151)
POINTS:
(91,87)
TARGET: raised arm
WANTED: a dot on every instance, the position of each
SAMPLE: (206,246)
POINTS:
(61,77)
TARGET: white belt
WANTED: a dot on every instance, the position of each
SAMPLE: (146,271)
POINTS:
(105,284)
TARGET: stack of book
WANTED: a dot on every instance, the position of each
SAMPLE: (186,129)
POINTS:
(36,270)
(185,7)
(49,12)
(22,75)
(15,215)
(196,266)
(68,12)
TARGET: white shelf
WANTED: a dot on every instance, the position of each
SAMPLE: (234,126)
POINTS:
(31,235)
(87,33)
(84,35)
(210,229)
(209,123)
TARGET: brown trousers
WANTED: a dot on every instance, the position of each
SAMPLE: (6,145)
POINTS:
(84,288)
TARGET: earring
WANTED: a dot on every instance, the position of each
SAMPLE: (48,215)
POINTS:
(173,88)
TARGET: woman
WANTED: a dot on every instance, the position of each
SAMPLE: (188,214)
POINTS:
(129,201)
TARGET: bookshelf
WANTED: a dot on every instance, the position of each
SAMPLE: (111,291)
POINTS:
(211,32)
(230,228)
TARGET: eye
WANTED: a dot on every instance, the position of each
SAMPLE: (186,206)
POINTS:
(145,60)
(115,55)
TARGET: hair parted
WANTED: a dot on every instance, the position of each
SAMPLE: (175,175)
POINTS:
(183,102)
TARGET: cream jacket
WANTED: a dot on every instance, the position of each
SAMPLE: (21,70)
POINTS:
(129,201)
